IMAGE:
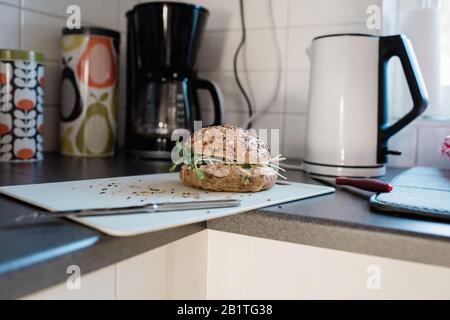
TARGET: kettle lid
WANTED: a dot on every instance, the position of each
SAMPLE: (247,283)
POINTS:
(346,34)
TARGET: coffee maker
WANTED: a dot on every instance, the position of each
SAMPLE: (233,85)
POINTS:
(162,83)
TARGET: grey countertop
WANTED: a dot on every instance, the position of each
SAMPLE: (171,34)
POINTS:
(35,256)
(345,221)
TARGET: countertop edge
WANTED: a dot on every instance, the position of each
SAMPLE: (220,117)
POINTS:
(348,238)
(34,278)
(305,231)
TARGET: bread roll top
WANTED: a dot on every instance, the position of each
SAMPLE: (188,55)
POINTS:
(231,144)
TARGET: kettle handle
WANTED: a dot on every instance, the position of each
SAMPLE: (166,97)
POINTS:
(217,98)
(401,47)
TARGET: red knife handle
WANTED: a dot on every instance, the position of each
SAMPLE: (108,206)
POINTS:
(371,185)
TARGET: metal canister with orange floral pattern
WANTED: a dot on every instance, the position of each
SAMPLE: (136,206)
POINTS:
(21,105)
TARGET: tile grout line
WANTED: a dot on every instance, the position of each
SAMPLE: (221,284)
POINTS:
(20,24)
(49,14)
(295,27)
(416,149)
(118,13)
(285,76)
(7,4)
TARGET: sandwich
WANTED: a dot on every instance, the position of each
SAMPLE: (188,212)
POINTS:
(226,159)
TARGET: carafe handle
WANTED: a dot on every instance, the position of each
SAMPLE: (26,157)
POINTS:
(398,46)
(217,98)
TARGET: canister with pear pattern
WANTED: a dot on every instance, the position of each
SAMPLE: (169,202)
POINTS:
(21,105)
(89,98)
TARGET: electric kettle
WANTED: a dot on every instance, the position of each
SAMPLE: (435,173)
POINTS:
(347,127)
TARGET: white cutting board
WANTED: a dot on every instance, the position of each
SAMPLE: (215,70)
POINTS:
(139,190)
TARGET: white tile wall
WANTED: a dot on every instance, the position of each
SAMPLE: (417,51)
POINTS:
(36,24)
(430,139)
(13,2)
(297,85)
(328,12)
(297,23)
(405,141)
(294,134)
(9,26)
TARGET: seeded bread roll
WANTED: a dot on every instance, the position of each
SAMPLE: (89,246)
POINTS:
(230,143)
(228,178)
(242,166)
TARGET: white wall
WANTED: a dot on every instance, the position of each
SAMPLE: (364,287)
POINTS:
(36,24)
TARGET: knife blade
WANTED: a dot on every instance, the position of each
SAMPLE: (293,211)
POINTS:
(143,209)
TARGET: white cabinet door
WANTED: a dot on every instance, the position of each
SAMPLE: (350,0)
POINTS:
(186,267)
(254,268)
(219,265)
(144,276)
(174,271)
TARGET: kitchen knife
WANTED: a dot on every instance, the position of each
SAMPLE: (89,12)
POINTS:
(147,208)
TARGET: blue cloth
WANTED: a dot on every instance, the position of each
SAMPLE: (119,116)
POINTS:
(418,190)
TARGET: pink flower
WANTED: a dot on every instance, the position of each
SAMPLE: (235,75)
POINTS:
(445,148)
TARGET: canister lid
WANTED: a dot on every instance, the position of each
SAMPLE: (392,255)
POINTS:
(92,30)
(13,54)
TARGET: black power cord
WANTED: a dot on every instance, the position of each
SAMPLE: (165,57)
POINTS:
(235,62)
